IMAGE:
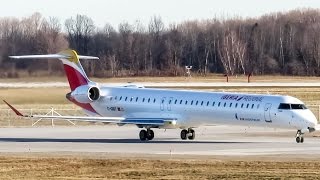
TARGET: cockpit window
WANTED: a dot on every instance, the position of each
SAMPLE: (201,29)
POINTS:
(284,106)
(292,106)
(298,106)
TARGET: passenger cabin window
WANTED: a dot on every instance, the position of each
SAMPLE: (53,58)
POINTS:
(180,101)
(258,106)
(154,100)
(197,103)
(236,105)
(201,103)
(230,105)
(213,103)
(149,100)
(137,99)
(219,104)
(143,99)
(252,106)
(208,103)
(224,105)
(126,99)
(191,102)
(120,98)
(175,102)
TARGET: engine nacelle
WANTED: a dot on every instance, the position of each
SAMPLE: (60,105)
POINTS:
(86,94)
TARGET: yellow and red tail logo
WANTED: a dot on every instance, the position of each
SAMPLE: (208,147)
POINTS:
(74,71)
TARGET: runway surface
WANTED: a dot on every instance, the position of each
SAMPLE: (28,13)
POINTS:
(123,141)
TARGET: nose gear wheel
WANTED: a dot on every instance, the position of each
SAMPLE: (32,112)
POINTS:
(299,137)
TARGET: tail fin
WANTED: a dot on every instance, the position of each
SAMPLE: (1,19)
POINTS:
(72,66)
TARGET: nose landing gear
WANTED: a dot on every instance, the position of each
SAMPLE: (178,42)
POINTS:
(299,137)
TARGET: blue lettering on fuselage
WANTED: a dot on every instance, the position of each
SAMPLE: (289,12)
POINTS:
(244,98)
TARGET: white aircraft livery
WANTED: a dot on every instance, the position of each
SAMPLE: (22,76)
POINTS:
(149,108)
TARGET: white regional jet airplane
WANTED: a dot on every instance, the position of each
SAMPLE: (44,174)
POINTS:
(149,108)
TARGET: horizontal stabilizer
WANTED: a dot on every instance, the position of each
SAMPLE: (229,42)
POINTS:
(52,56)
(48,56)
(71,63)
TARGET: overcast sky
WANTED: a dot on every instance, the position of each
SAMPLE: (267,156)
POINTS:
(117,11)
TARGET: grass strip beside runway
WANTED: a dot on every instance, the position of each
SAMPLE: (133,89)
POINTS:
(86,168)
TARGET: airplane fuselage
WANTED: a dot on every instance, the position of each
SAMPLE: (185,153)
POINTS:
(196,108)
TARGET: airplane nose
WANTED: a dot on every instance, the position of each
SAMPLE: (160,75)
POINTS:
(312,120)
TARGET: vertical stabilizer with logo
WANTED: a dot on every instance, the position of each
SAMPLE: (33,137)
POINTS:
(83,91)
(73,68)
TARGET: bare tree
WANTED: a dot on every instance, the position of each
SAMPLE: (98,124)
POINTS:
(80,30)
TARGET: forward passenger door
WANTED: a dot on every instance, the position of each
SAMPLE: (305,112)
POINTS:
(267,113)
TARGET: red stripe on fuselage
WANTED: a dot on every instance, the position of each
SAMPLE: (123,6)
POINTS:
(86,106)
(75,78)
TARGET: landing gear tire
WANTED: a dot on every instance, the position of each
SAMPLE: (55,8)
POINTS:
(187,134)
(299,137)
(192,134)
(150,134)
(183,134)
(143,135)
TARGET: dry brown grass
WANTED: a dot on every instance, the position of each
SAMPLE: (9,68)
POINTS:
(78,168)
(35,95)
(195,78)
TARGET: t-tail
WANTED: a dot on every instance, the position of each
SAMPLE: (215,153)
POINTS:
(83,91)
(72,66)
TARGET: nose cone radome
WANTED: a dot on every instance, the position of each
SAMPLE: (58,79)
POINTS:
(304,119)
(311,119)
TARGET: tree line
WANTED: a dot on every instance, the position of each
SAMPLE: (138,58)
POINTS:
(277,43)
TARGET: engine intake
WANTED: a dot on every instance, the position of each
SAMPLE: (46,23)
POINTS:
(94,93)
(86,94)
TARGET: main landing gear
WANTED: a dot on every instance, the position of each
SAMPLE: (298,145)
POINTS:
(190,134)
(149,134)
(299,137)
(146,134)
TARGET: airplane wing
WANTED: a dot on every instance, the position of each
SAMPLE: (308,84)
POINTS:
(115,120)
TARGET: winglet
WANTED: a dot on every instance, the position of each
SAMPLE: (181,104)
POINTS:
(13,109)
